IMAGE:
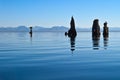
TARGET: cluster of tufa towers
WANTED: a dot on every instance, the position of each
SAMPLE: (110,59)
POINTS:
(72,33)
(95,29)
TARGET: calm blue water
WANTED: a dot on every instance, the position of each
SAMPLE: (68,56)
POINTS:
(52,56)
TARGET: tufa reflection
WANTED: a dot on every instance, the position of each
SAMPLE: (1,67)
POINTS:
(105,42)
(96,42)
(72,43)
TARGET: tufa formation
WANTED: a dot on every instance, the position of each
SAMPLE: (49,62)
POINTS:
(105,30)
(95,29)
(30,32)
(72,31)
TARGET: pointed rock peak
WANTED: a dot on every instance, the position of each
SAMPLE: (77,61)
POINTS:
(72,18)
(72,21)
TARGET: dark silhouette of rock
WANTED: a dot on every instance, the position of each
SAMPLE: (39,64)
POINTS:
(30,32)
(105,30)
(72,31)
(95,29)
(72,34)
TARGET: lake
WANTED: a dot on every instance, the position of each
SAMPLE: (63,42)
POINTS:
(54,56)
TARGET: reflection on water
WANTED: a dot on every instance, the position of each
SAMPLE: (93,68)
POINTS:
(72,43)
(30,38)
(30,35)
(49,58)
(96,42)
(105,42)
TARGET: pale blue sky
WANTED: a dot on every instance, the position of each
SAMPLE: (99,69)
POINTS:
(49,13)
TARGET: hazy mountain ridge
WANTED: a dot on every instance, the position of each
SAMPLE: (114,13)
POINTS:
(19,28)
(54,28)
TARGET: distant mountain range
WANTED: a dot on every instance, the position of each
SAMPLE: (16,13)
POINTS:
(43,29)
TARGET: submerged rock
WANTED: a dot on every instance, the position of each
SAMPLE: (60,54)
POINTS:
(30,32)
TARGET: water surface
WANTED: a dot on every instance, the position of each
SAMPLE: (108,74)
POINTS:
(53,56)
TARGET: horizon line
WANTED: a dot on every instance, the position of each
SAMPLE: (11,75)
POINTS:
(49,27)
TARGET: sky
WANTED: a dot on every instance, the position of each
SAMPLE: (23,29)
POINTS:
(48,13)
